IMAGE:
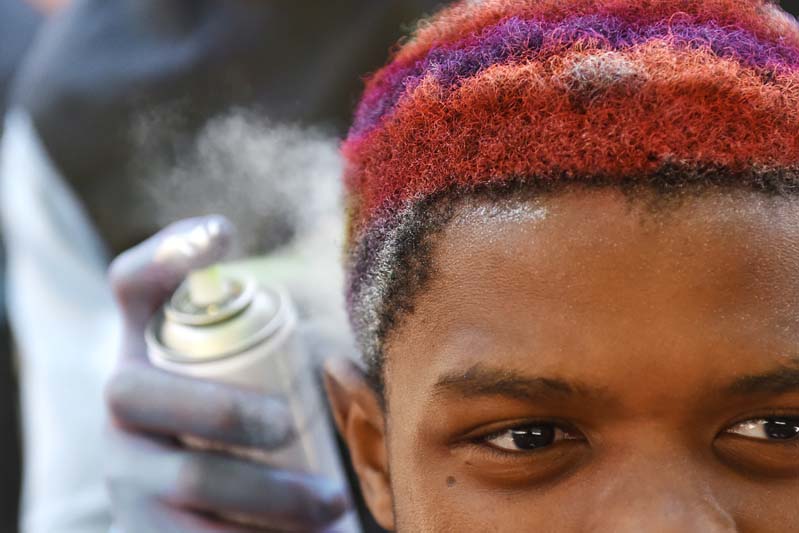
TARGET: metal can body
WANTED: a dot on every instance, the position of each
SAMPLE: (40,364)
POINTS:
(253,344)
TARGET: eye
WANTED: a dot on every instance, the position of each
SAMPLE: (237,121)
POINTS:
(773,429)
(528,438)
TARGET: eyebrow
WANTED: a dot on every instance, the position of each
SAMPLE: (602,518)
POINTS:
(780,381)
(481,380)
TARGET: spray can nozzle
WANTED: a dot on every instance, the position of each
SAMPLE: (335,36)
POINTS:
(209,296)
(207,287)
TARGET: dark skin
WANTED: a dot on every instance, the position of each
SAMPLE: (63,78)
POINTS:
(585,362)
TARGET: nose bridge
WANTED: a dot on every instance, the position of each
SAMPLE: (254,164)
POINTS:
(655,495)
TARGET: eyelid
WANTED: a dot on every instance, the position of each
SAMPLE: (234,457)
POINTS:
(485,431)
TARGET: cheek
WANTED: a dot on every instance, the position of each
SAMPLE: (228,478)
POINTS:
(757,504)
(435,491)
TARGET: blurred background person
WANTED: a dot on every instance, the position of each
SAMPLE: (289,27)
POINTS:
(113,96)
(19,22)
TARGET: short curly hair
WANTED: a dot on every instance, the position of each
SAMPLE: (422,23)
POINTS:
(498,97)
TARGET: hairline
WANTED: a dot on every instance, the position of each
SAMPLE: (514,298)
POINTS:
(385,298)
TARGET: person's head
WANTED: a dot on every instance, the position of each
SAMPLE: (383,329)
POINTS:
(573,270)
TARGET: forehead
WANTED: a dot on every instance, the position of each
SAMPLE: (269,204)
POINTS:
(591,282)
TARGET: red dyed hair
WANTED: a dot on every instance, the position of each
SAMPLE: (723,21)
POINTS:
(504,92)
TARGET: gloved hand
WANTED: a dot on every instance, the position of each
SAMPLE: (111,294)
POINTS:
(157,484)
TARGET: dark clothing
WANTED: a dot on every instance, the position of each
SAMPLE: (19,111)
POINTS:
(107,64)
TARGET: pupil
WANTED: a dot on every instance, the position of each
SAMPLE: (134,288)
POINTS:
(533,437)
(782,429)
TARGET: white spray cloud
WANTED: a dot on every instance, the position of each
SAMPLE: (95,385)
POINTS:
(276,182)
(279,184)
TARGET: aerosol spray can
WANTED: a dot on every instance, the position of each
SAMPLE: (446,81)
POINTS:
(237,332)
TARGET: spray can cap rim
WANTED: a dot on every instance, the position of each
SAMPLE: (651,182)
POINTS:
(182,309)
